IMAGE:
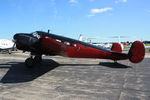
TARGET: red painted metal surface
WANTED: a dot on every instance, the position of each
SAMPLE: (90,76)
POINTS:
(53,46)
(81,51)
(137,52)
(77,50)
(116,47)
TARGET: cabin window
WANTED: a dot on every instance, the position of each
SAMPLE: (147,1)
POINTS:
(4,44)
(67,43)
(75,45)
(58,40)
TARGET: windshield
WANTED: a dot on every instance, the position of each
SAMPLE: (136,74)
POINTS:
(35,34)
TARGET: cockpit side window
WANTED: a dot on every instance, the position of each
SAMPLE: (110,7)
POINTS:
(36,35)
(68,43)
(58,40)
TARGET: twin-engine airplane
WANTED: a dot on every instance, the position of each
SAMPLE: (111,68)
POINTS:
(39,43)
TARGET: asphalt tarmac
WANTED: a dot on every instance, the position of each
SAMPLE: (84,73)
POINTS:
(61,78)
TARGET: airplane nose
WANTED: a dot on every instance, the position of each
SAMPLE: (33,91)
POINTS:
(25,40)
(16,36)
(21,39)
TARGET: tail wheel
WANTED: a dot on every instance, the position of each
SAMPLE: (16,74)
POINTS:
(115,62)
(9,51)
(29,62)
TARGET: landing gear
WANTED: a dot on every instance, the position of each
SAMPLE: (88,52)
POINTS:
(38,59)
(115,62)
(9,51)
(31,61)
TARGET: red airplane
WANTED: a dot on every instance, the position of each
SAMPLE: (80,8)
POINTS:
(39,43)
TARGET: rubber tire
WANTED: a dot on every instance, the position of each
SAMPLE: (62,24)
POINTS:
(38,59)
(29,62)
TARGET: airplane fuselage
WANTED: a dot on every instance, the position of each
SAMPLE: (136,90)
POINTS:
(39,43)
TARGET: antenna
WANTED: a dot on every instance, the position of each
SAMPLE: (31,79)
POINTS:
(48,31)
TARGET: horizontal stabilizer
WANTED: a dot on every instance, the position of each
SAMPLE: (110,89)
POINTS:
(116,47)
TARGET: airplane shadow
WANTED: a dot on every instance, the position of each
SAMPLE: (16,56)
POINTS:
(78,64)
(114,65)
(17,72)
(105,64)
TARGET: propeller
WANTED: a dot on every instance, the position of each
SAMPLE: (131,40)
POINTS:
(14,46)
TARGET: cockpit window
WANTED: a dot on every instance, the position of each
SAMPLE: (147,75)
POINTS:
(67,43)
(35,34)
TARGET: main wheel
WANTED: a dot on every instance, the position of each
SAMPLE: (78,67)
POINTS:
(29,62)
(38,59)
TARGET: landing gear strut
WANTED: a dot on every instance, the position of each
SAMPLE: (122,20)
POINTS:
(115,62)
(31,61)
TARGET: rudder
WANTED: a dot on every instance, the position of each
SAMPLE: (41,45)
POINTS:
(136,52)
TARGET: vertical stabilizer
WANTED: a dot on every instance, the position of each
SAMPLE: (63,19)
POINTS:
(137,52)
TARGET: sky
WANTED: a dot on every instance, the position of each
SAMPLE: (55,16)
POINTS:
(91,18)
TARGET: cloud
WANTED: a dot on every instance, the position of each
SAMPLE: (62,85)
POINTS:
(101,10)
(123,1)
(73,1)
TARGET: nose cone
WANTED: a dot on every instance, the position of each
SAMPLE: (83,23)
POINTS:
(16,36)
(25,41)
(20,38)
